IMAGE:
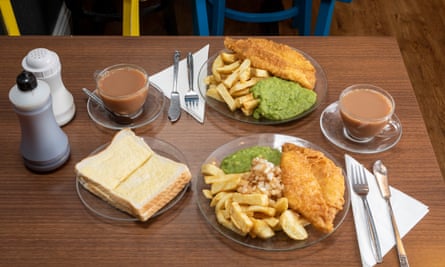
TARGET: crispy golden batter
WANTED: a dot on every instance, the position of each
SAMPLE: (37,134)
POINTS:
(313,184)
(279,59)
(302,189)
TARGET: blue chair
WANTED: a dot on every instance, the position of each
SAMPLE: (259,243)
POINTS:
(210,14)
(300,12)
(200,18)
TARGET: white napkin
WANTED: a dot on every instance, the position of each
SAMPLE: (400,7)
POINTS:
(163,80)
(407,211)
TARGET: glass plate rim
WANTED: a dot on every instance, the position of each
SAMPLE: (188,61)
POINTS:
(321,87)
(129,218)
(242,141)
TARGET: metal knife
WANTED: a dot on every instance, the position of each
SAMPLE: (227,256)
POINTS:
(381,174)
(174,111)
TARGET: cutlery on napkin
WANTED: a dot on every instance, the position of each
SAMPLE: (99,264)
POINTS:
(163,80)
(407,210)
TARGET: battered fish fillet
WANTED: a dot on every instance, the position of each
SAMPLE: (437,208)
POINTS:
(313,184)
(279,59)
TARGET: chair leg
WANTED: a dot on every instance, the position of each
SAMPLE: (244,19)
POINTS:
(200,18)
(304,19)
(130,17)
(218,8)
(324,17)
(9,18)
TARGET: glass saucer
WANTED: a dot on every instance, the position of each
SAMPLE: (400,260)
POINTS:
(151,110)
(332,128)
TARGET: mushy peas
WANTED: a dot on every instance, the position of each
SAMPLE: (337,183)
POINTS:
(281,99)
(241,160)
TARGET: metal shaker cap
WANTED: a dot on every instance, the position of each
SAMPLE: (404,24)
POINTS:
(41,62)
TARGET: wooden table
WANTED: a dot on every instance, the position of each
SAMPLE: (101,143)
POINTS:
(43,222)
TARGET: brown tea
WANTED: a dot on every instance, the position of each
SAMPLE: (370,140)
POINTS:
(123,88)
(365,111)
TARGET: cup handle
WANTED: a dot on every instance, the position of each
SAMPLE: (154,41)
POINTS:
(96,73)
(391,129)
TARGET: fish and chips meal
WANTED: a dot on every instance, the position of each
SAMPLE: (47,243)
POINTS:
(132,177)
(252,196)
(263,79)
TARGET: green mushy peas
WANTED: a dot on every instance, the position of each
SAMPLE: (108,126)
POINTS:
(241,160)
(281,99)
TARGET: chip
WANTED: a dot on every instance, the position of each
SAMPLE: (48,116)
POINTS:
(231,80)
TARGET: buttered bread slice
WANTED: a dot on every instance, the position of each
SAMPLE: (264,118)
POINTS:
(115,163)
(153,185)
(132,177)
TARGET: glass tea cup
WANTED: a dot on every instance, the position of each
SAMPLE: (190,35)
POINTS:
(123,88)
(366,111)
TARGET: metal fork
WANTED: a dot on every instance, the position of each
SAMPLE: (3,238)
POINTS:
(191,97)
(360,186)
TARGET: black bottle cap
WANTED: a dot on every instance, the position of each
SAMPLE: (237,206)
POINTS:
(26,81)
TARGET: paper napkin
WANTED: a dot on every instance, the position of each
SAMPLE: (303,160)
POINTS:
(163,80)
(407,211)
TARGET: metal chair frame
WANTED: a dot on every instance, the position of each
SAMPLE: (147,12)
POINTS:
(209,16)
(300,12)
(9,20)
(130,18)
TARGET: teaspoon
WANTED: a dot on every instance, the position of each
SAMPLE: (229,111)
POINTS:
(121,119)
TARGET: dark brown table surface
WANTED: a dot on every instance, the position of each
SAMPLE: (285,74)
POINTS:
(43,222)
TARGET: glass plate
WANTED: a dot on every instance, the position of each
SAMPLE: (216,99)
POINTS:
(321,88)
(105,210)
(152,109)
(280,242)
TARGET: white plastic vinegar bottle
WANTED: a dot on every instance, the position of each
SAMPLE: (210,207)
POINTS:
(44,146)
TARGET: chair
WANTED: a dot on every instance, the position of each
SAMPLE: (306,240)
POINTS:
(130,18)
(324,17)
(104,11)
(300,12)
(200,19)
(8,16)
(210,14)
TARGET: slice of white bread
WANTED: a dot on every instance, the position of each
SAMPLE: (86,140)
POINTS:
(132,177)
(153,185)
(117,161)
